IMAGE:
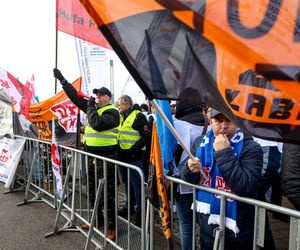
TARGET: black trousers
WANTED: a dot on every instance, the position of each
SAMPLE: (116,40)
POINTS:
(96,172)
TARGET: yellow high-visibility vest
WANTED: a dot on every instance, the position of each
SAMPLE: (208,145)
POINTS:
(104,138)
(127,135)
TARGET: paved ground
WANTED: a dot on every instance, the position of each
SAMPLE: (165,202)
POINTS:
(24,227)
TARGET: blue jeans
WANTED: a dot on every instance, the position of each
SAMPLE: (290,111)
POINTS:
(135,185)
(185,216)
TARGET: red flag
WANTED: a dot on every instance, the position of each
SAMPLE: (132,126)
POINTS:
(74,20)
(20,95)
(30,84)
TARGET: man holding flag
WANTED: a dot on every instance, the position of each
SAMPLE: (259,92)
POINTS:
(232,160)
(100,138)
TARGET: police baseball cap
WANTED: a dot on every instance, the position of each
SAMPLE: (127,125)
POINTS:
(102,91)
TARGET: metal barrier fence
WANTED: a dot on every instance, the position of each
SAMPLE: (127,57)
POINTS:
(36,177)
(259,219)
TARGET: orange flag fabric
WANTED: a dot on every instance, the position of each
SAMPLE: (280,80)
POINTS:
(238,57)
(64,113)
(158,184)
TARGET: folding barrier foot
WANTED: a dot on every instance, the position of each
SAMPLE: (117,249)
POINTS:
(22,203)
(19,189)
(65,228)
(35,199)
(51,233)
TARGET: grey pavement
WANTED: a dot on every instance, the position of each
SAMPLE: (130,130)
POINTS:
(24,227)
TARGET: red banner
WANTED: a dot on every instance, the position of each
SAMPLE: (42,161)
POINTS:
(19,94)
(74,20)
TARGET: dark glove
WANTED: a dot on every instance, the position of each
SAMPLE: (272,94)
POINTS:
(57,74)
(92,102)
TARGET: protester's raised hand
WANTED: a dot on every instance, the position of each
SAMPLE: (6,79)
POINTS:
(92,102)
(57,74)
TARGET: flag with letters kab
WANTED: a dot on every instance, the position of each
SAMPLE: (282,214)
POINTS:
(238,57)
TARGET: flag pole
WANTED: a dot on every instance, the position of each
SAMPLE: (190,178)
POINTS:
(112,83)
(174,132)
(56,41)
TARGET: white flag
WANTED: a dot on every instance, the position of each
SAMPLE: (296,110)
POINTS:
(56,166)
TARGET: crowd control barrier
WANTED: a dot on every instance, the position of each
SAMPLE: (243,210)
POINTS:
(261,209)
(36,178)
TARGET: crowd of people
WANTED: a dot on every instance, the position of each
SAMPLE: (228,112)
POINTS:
(226,158)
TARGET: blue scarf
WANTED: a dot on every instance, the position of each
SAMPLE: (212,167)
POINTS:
(208,203)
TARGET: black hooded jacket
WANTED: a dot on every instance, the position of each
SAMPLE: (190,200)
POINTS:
(190,112)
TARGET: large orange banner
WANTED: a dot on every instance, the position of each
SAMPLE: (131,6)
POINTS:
(64,113)
(236,56)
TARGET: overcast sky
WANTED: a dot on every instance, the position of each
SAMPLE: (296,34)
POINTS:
(27,45)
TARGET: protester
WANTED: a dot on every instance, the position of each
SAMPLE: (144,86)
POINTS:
(100,138)
(146,150)
(173,107)
(232,162)
(134,136)
(290,173)
(145,109)
(189,123)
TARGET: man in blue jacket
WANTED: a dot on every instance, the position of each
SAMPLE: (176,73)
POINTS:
(232,162)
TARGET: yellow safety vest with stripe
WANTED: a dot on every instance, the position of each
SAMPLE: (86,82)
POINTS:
(127,135)
(103,138)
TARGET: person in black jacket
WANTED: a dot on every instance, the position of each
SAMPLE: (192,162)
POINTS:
(133,137)
(290,173)
(190,124)
(232,162)
(100,138)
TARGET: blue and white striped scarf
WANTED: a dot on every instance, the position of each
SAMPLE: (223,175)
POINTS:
(208,203)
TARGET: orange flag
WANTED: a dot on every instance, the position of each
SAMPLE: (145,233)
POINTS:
(158,185)
(64,113)
(235,56)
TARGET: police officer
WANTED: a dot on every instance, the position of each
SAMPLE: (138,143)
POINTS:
(100,138)
(134,135)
